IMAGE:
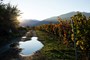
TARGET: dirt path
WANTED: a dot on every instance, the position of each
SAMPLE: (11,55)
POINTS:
(28,35)
(34,33)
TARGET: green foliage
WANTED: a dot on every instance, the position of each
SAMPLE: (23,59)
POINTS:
(82,30)
(52,49)
(78,28)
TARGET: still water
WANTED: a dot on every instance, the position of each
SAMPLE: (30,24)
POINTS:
(22,48)
(31,46)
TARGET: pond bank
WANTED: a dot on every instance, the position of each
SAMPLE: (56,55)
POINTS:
(34,55)
(5,49)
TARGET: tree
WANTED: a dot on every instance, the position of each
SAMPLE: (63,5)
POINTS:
(8,20)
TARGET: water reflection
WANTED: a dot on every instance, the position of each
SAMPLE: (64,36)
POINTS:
(23,37)
(23,48)
(31,46)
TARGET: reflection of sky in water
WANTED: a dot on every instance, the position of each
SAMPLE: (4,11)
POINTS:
(31,46)
(24,37)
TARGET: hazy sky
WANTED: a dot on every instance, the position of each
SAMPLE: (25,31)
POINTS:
(42,9)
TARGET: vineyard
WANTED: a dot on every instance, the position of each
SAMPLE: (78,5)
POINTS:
(73,33)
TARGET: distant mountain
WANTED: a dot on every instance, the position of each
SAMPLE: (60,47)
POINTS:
(53,20)
(29,22)
(70,14)
(63,16)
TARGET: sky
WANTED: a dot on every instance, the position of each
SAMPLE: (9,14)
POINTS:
(42,9)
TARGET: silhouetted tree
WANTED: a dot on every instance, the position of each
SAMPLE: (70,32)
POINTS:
(8,20)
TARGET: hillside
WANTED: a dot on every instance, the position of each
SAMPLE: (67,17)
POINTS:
(29,22)
(51,19)
(63,16)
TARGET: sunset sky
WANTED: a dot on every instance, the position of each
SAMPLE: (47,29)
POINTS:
(42,9)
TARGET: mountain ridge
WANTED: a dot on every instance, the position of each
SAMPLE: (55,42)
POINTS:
(29,22)
(33,22)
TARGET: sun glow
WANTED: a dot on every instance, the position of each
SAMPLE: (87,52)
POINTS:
(19,19)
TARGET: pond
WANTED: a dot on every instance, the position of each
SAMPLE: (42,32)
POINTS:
(22,48)
(29,47)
